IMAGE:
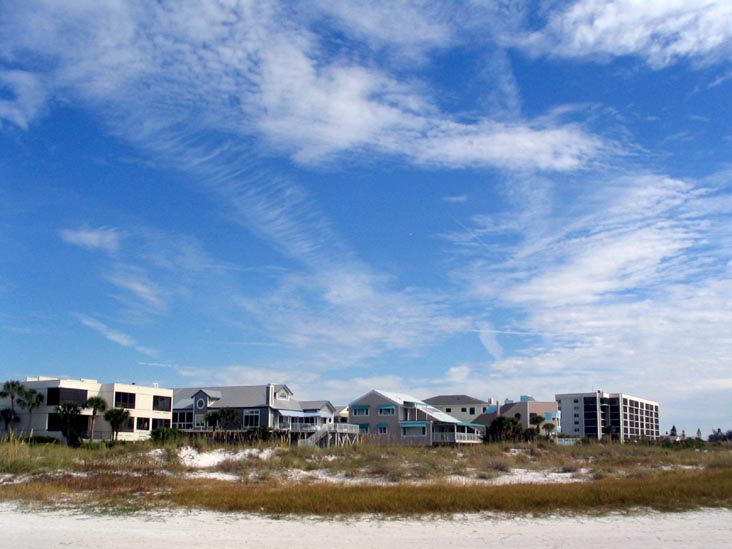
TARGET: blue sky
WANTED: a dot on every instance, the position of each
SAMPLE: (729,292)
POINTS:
(483,198)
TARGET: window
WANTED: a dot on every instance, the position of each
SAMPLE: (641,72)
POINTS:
(143,424)
(162,403)
(200,404)
(282,395)
(200,421)
(360,410)
(472,411)
(387,410)
(182,420)
(414,431)
(463,410)
(124,400)
(128,426)
(383,430)
(448,410)
(251,419)
(59,395)
(363,428)
(160,423)
(485,409)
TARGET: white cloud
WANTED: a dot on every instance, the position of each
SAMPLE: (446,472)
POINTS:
(106,239)
(625,287)
(115,336)
(143,290)
(345,315)
(264,74)
(28,97)
(403,25)
(235,374)
(456,199)
(660,31)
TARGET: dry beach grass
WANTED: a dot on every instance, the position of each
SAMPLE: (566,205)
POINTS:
(368,479)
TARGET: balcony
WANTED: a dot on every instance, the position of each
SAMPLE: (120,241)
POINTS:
(455,438)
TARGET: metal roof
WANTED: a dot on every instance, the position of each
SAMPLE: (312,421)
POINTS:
(402,399)
(239,396)
(442,400)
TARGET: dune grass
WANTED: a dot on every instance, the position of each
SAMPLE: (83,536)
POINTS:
(677,491)
(408,481)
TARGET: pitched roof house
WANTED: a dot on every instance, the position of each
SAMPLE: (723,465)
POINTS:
(463,407)
(397,418)
(271,407)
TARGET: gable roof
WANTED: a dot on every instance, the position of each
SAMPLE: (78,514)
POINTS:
(442,400)
(238,396)
(317,405)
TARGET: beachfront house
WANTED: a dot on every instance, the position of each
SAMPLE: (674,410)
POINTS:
(462,407)
(148,408)
(396,418)
(270,407)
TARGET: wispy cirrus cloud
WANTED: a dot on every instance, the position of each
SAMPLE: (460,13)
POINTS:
(113,335)
(631,276)
(141,288)
(662,32)
(105,239)
(265,75)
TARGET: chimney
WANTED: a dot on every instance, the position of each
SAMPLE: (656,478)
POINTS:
(270,394)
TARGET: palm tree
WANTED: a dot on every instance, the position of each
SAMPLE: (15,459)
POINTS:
(68,412)
(548,427)
(30,399)
(12,389)
(228,418)
(97,405)
(503,428)
(212,419)
(7,416)
(537,420)
(116,417)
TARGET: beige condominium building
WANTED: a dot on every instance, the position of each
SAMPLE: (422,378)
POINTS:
(148,407)
(617,416)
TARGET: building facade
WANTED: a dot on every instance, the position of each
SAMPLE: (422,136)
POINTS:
(617,416)
(271,407)
(395,418)
(149,408)
(523,410)
(462,407)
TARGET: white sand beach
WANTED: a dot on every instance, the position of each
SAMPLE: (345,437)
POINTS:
(22,528)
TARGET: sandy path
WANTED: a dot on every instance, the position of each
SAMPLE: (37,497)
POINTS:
(20,528)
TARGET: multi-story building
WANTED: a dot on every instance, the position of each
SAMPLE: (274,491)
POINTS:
(523,410)
(616,415)
(395,418)
(462,407)
(271,407)
(149,408)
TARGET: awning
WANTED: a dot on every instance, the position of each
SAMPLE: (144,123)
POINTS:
(300,413)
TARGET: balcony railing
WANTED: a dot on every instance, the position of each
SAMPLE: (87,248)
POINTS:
(447,437)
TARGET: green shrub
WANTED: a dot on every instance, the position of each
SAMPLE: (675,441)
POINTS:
(167,434)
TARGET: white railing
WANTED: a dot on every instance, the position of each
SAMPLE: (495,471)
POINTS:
(455,437)
(323,430)
(329,427)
